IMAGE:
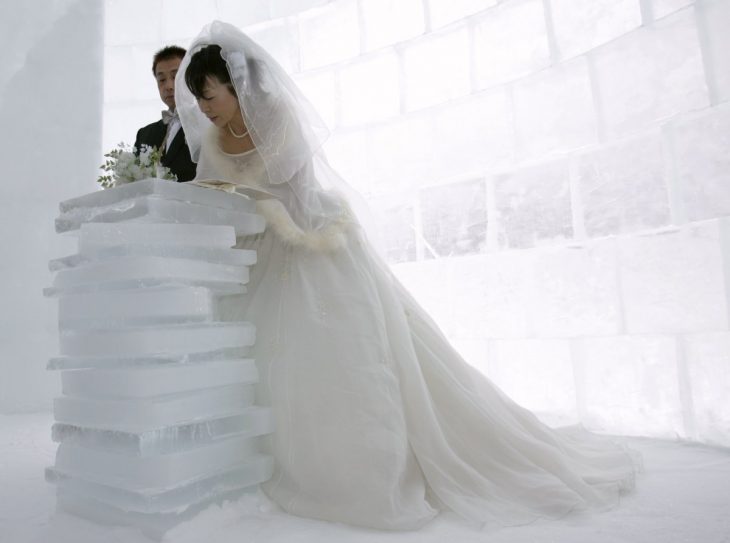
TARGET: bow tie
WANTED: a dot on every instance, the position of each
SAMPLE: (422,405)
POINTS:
(168,116)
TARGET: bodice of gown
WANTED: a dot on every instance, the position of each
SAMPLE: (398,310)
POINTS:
(248,169)
(242,169)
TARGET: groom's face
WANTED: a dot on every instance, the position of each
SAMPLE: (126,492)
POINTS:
(165,72)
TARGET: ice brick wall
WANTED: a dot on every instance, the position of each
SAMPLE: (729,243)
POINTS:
(551,178)
(51,115)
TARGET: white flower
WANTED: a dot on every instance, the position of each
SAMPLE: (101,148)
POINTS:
(124,166)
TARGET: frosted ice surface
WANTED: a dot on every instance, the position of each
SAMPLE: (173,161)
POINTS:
(145,340)
(714,18)
(581,26)
(369,89)
(157,472)
(100,501)
(442,13)
(219,288)
(702,155)
(709,378)
(448,233)
(250,422)
(534,206)
(391,21)
(510,41)
(537,374)
(320,89)
(163,189)
(108,361)
(662,8)
(149,267)
(651,74)
(215,255)
(403,154)
(672,282)
(630,384)
(277,38)
(156,210)
(95,236)
(179,303)
(329,34)
(575,292)
(623,186)
(490,294)
(396,222)
(446,55)
(146,414)
(474,135)
(554,109)
(157,381)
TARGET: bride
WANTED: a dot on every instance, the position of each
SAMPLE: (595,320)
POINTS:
(379,422)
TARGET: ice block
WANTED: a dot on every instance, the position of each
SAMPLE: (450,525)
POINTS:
(157,417)
(96,236)
(143,340)
(151,209)
(250,422)
(161,189)
(156,381)
(215,255)
(175,500)
(138,415)
(149,267)
(148,305)
(155,473)
(112,361)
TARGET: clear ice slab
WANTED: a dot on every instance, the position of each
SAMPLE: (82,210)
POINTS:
(111,360)
(156,381)
(139,305)
(154,200)
(155,210)
(251,422)
(157,473)
(139,415)
(144,340)
(149,267)
(161,189)
(214,255)
(108,502)
(97,236)
(157,417)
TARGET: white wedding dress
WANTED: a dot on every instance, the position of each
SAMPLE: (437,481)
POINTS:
(379,422)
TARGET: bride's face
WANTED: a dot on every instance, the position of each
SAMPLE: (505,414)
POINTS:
(218,103)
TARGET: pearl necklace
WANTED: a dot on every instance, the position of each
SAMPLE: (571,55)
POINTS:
(237,136)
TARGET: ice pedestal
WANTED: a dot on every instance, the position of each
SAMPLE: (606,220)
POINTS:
(157,417)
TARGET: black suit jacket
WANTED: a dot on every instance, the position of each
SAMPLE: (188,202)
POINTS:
(177,157)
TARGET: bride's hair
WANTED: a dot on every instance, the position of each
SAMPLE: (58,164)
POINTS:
(204,64)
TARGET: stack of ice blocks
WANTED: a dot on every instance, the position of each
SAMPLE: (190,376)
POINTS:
(157,417)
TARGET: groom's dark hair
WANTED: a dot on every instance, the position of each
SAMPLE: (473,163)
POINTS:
(166,53)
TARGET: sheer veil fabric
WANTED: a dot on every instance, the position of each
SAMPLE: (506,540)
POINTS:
(286,130)
(379,421)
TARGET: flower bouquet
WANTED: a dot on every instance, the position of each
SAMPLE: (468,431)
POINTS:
(126,165)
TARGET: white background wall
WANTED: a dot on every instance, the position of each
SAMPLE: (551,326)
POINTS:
(50,129)
(552,178)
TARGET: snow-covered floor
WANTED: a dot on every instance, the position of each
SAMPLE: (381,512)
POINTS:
(683,496)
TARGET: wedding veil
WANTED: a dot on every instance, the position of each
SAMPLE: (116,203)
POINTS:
(286,130)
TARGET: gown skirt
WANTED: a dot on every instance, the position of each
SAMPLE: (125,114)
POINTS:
(379,422)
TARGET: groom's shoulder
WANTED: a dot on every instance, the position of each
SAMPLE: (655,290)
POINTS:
(150,133)
(152,126)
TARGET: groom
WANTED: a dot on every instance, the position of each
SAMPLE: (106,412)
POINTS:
(167,133)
